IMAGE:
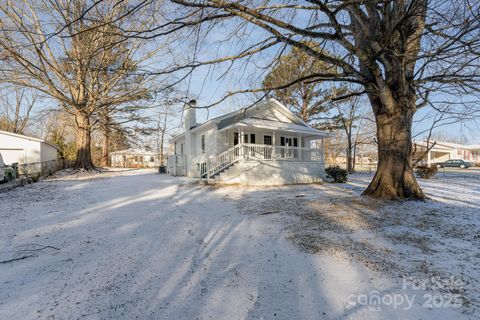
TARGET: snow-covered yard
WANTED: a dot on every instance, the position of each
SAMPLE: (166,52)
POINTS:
(138,245)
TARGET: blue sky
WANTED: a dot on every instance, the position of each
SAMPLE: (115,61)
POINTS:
(209,84)
(206,88)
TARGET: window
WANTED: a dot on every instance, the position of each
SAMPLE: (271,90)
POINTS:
(203,143)
(289,142)
(252,138)
(235,138)
(152,159)
(267,140)
(181,148)
(245,138)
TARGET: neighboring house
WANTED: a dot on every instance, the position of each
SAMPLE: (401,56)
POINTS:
(443,151)
(342,160)
(17,148)
(134,158)
(264,144)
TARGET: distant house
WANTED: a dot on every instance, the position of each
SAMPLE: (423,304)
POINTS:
(134,158)
(17,148)
(443,151)
(264,144)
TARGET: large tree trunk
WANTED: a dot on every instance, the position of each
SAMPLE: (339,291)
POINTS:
(394,178)
(83,141)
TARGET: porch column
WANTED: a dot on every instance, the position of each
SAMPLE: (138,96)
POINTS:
(242,153)
(273,145)
(428,158)
(322,152)
(299,146)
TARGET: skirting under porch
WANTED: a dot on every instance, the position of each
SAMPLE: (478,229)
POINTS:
(271,172)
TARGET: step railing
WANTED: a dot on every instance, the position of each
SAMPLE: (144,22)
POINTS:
(217,163)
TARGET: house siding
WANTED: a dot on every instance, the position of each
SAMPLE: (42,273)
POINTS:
(23,149)
(264,173)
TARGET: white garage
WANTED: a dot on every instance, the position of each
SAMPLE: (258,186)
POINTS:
(22,149)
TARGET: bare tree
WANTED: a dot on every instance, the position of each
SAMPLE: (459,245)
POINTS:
(16,109)
(67,51)
(349,119)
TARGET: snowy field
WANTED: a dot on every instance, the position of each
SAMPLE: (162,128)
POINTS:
(138,245)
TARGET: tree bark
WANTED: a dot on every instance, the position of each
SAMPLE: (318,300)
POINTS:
(394,178)
(349,154)
(83,141)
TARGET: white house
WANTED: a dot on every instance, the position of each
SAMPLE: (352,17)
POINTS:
(22,149)
(443,151)
(134,158)
(264,144)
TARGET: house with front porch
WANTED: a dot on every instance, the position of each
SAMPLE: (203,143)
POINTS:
(264,144)
(439,151)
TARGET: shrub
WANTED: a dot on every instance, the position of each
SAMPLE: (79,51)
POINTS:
(426,172)
(336,174)
(9,173)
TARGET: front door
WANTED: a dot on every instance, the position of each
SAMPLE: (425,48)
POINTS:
(288,141)
(288,153)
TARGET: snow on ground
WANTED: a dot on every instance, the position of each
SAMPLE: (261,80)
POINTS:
(138,245)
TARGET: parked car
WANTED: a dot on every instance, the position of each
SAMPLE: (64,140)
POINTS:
(2,169)
(454,164)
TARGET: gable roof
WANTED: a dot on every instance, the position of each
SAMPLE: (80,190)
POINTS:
(21,136)
(235,117)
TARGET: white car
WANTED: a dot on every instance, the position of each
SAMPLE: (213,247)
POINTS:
(2,169)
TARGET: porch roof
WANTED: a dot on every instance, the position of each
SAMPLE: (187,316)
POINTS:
(277,126)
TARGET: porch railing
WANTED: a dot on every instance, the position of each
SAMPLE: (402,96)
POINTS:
(217,163)
(287,153)
(220,161)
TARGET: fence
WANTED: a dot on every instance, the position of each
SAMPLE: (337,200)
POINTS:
(42,169)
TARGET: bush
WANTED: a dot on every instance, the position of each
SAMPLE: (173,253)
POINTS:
(9,173)
(426,172)
(336,174)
